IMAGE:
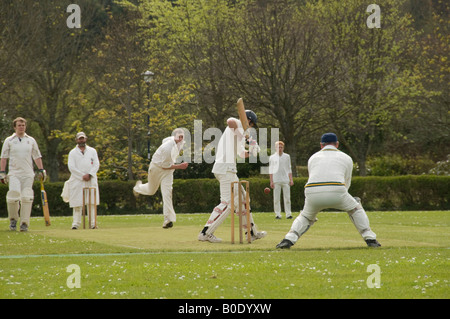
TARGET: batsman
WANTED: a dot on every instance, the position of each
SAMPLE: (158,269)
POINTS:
(21,150)
(231,143)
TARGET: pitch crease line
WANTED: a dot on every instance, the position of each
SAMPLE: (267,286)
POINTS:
(127,254)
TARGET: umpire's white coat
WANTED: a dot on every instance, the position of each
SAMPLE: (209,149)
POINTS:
(82,163)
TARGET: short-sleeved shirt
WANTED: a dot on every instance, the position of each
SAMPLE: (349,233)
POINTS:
(21,152)
(167,153)
(280,167)
(229,146)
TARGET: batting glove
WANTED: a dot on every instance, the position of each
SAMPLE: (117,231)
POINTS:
(3,177)
(253,146)
(43,175)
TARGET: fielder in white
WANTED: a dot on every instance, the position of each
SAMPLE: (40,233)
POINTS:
(330,173)
(83,165)
(21,150)
(160,173)
(231,143)
(280,173)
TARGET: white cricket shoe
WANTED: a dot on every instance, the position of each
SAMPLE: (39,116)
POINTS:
(13,225)
(138,183)
(23,227)
(259,235)
(211,238)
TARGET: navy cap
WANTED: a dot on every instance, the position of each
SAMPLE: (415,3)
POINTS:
(328,138)
(251,116)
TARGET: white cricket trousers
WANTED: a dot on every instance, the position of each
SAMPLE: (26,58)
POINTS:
(160,177)
(286,188)
(20,197)
(335,197)
(221,211)
(77,214)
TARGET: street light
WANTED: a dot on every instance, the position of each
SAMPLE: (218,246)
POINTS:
(148,78)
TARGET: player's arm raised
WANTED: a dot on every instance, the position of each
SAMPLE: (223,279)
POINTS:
(233,124)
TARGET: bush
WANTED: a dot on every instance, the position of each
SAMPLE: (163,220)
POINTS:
(441,168)
(411,192)
(393,165)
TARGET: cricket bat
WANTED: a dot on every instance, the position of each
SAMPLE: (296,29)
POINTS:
(45,205)
(241,112)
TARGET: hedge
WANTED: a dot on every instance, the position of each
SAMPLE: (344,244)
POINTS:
(414,192)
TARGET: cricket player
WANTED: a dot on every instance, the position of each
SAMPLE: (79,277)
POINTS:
(160,173)
(330,173)
(21,150)
(231,143)
(83,165)
(280,173)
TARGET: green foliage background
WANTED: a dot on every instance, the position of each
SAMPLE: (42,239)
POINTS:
(424,192)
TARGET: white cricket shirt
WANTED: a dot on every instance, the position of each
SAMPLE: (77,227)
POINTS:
(229,146)
(166,155)
(280,167)
(329,167)
(21,152)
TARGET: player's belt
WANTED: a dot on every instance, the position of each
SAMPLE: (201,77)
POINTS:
(324,184)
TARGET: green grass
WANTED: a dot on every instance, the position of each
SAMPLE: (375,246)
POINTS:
(134,257)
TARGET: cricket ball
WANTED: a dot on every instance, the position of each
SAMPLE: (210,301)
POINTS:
(267,190)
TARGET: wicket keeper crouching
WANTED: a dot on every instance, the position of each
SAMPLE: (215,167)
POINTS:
(330,173)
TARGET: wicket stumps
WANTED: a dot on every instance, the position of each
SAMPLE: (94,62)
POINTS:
(241,210)
(89,193)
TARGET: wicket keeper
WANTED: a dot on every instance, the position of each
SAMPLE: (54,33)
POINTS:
(330,174)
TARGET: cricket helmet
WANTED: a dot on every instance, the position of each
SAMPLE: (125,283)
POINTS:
(252,116)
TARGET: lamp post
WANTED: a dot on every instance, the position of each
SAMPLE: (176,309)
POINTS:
(148,78)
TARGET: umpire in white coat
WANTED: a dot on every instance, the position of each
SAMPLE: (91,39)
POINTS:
(83,165)
(330,173)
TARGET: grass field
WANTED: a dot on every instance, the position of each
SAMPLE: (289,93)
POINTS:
(132,256)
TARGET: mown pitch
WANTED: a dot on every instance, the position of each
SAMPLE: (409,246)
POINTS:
(132,256)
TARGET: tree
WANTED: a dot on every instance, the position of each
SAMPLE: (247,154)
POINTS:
(427,129)
(46,56)
(276,59)
(184,37)
(376,74)
(120,125)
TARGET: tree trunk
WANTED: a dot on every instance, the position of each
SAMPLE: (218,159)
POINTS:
(51,160)
(362,167)
(291,149)
(130,159)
